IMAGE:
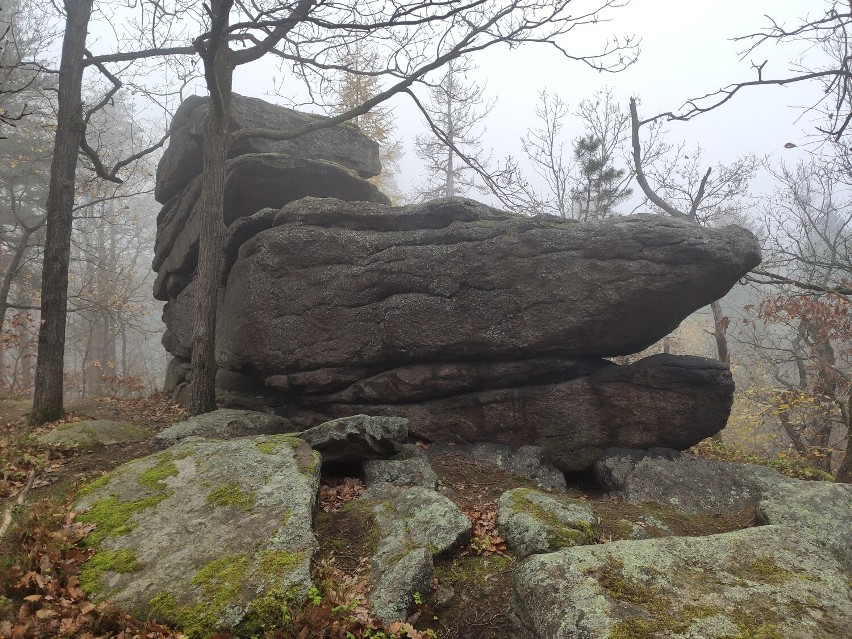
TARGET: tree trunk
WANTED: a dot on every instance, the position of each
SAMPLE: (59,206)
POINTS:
(720,333)
(47,398)
(218,70)
(844,473)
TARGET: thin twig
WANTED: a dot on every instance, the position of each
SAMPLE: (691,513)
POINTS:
(7,514)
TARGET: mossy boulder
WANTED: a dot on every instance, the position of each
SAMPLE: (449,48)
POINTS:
(534,522)
(412,471)
(767,582)
(208,535)
(415,525)
(88,434)
(225,423)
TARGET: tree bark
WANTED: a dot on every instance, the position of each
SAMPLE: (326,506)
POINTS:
(218,70)
(47,398)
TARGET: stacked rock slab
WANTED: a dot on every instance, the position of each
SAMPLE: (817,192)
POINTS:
(330,162)
(474,323)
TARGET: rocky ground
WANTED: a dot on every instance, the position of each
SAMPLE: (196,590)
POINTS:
(369,535)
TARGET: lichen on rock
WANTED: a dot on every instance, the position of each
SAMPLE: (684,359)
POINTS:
(202,533)
(535,522)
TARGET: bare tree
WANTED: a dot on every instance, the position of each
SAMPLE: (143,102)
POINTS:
(457,107)
(70,140)
(587,177)
(803,335)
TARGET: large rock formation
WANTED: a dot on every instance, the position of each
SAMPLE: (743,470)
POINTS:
(342,144)
(474,323)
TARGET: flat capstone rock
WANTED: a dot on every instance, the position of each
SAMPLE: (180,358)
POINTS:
(357,438)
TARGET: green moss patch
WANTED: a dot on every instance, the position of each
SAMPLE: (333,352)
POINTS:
(559,534)
(664,617)
(616,518)
(232,494)
(100,482)
(121,561)
(113,517)
(154,476)
(276,564)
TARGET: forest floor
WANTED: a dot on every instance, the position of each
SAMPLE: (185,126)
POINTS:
(41,551)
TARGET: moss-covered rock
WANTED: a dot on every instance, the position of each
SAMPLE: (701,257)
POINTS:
(225,423)
(766,582)
(534,522)
(203,533)
(414,524)
(88,434)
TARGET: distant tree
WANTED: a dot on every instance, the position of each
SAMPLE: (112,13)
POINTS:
(598,190)
(359,81)
(582,180)
(797,331)
(26,34)
(456,110)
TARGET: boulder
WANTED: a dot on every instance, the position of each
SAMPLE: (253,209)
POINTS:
(530,462)
(224,423)
(342,144)
(90,433)
(759,582)
(357,438)
(819,510)
(336,285)
(412,471)
(662,400)
(684,481)
(208,535)
(252,182)
(416,525)
(534,522)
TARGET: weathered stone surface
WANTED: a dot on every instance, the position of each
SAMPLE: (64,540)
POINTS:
(343,144)
(349,284)
(176,373)
(534,522)
(357,438)
(206,534)
(421,382)
(820,510)
(662,400)
(759,582)
(416,524)
(684,481)
(252,183)
(224,423)
(94,432)
(412,471)
(532,462)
